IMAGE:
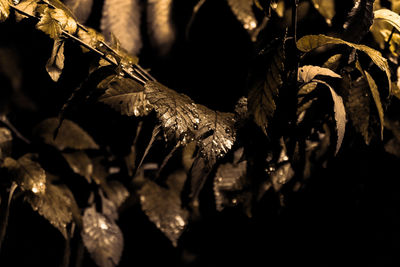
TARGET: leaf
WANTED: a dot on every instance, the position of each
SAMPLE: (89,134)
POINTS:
(229,178)
(55,64)
(310,42)
(177,112)
(55,205)
(102,238)
(27,173)
(28,6)
(308,72)
(388,16)
(90,37)
(70,135)
(80,164)
(80,8)
(4,10)
(326,8)
(159,21)
(5,142)
(359,21)
(278,7)
(243,10)
(163,207)
(116,192)
(54,21)
(262,95)
(108,208)
(125,96)
(122,18)
(340,117)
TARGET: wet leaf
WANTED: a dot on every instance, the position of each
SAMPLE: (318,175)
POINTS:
(310,42)
(125,96)
(326,8)
(163,207)
(5,142)
(55,64)
(229,180)
(262,95)
(4,10)
(53,21)
(122,18)
(359,21)
(27,173)
(243,10)
(308,72)
(159,22)
(80,8)
(80,164)
(177,112)
(102,238)
(56,205)
(70,135)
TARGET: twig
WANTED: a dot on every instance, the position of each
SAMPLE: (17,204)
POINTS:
(5,213)
(5,120)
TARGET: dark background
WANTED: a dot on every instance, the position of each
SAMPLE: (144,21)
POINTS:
(347,214)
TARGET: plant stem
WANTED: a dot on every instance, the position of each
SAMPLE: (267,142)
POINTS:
(5,211)
(387,43)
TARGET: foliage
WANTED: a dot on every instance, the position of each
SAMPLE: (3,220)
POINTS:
(311,97)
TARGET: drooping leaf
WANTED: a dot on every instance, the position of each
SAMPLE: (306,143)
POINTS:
(122,18)
(4,10)
(326,8)
(160,26)
(108,208)
(163,207)
(5,142)
(70,135)
(243,10)
(125,95)
(55,205)
(116,192)
(55,64)
(310,42)
(229,180)
(340,117)
(388,16)
(80,164)
(359,21)
(308,72)
(53,21)
(80,8)
(102,238)
(262,95)
(28,174)
(177,112)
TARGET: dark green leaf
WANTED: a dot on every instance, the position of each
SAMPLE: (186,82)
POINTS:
(102,238)
(70,135)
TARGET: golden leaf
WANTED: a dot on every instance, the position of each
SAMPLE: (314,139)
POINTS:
(28,7)
(80,8)
(326,8)
(4,10)
(53,21)
(55,64)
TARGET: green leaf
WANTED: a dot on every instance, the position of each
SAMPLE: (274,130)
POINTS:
(125,96)
(122,18)
(80,163)
(163,207)
(56,205)
(308,73)
(310,42)
(5,142)
(27,173)
(53,21)
(4,10)
(262,95)
(80,8)
(102,238)
(55,64)
(326,8)
(70,135)
(243,10)
(177,112)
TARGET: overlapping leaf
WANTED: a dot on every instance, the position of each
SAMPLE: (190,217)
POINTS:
(55,64)
(70,135)
(27,173)
(125,95)
(4,9)
(309,72)
(80,8)
(80,163)
(163,207)
(102,238)
(310,42)
(54,21)
(326,8)
(159,21)
(56,205)
(340,117)
(122,18)
(28,7)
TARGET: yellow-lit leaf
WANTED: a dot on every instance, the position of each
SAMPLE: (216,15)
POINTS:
(28,6)
(55,64)
(4,9)
(243,10)
(308,72)
(326,8)
(90,37)
(53,21)
(279,7)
